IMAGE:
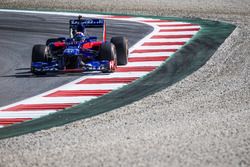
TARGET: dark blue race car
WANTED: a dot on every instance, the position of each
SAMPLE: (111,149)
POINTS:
(80,52)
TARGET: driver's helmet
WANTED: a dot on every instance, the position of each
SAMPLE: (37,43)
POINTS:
(79,37)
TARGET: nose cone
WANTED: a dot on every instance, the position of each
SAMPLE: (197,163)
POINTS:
(71,52)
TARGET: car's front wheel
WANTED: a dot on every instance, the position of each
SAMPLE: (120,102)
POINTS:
(108,52)
(38,55)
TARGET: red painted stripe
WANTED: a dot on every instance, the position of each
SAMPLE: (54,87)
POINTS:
(179,30)
(156,21)
(136,69)
(170,36)
(9,121)
(71,93)
(24,107)
(142,59)
(177,25)
(154,50)
(107,80)
(162,43)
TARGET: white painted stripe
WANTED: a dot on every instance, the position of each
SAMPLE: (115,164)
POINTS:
(54,13)
(116,75)
(141,19)
(157,54)
(132,19)
(112,75)
(60,100)
(76,99)
(159,47)
(172,23)
(177,33)
(179,28)
(146,63)
(1,126)
(120,75)
(25,114)
(169,40)
(93,86)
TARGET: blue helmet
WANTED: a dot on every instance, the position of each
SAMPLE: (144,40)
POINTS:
(79,37)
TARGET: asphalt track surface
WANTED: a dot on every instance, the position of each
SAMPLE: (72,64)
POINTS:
(19,32)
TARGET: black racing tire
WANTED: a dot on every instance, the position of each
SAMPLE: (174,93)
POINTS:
(39,55)
(121,44)
(108,52)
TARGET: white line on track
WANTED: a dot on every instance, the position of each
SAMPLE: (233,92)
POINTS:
(119,75)
(177,33)
(58,100)
(146,63)
(168,40)
(93,86)
(171,23)
(159,47)
(25,114)
(179,28)
(157,54)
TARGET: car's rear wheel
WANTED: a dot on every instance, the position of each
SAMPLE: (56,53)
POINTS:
(108,52)
(121,44)
(38,55)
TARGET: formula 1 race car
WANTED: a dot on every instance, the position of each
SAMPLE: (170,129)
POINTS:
(80,52)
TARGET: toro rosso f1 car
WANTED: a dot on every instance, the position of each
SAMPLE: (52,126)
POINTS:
(80,52)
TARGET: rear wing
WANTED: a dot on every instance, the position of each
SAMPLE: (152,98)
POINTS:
(80,25)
